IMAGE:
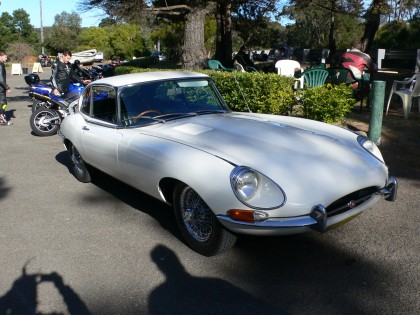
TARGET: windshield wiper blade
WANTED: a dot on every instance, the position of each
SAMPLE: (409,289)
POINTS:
(210,111)
(174,115)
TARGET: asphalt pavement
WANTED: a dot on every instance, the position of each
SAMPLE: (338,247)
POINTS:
(105,248)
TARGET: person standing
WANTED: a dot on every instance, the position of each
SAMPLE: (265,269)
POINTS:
(4,89)
(63,73)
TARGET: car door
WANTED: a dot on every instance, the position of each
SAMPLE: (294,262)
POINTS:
(100,136)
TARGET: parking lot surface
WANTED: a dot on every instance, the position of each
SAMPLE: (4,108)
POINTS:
(105,248)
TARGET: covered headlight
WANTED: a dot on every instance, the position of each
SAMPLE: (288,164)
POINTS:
(371,147)
(256,190)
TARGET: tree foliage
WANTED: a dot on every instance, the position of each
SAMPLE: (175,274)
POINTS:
(332,23)
(19,50)
(16,27)
(251,18)
(313,25)
(193,13)
(220,27)
(399,34)
(124,40)
(64,33)
(400,10)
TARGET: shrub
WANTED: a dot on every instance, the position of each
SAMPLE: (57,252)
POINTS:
(260,92)
(328,103)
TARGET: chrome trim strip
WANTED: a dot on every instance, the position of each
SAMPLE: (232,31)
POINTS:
(270,223)
(316,220)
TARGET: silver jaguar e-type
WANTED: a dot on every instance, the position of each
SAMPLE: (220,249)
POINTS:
(171,135)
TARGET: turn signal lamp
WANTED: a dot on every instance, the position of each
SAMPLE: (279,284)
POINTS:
(247,215)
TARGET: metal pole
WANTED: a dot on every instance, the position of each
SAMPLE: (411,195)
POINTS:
(42,29)
(377,111)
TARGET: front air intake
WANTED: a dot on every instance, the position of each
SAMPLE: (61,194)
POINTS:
(350,201)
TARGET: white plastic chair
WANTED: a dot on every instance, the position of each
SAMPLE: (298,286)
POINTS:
(407,89)
(288,68)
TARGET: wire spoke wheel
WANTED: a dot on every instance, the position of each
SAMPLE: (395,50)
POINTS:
(197,216)
(198,224)
(80,169)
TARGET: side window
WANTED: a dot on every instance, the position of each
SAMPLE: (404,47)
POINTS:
(104,103)
(86,100)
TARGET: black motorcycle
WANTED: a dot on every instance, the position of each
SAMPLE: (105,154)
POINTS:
(45,61)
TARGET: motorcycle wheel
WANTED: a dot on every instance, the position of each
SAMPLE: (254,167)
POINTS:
(39,104)
(39,125)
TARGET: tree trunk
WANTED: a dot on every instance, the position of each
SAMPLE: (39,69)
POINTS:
(224,34)
(194,50)
(331,39)
(373,20)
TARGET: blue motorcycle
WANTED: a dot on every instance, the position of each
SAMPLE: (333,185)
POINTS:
(49,110)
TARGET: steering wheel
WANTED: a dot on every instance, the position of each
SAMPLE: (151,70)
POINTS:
(144,113)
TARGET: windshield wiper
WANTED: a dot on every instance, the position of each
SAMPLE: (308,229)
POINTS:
(174,116)
(165,117)
(210,111)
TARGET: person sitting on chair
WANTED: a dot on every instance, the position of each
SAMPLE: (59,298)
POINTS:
(243,58)
(358,62)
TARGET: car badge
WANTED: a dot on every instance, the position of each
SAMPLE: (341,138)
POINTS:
(351,204)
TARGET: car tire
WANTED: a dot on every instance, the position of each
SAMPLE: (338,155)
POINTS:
(79,167)
(198,224)
(44,129)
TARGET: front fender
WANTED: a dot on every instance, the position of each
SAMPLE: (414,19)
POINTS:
(147,160)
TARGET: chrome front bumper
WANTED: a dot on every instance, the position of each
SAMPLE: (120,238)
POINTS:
(317,220)
(390,190)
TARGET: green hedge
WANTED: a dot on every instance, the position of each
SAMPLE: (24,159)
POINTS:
(273,94)
(260,92)
(328,103)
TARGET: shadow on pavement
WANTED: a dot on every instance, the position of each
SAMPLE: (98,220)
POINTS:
(22,298)
(136,199)
(182,293)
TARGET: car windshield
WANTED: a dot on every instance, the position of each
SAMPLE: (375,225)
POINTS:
(160,101)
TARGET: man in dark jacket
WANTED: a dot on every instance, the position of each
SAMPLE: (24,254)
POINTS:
(242,57)
(63,73)
(4,88)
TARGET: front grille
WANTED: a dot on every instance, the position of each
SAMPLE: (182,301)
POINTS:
(350,201)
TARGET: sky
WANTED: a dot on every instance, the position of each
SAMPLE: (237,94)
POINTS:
(50,8)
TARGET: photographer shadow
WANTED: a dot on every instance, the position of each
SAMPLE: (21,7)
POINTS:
(183,293)
(22,298)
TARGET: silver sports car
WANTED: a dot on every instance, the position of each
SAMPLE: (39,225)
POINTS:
(170,135)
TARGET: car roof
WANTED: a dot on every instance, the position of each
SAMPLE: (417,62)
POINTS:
(132,78)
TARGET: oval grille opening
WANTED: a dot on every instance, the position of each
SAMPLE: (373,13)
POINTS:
(350,201)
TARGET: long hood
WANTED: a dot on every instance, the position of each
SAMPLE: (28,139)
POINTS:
(296,153)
